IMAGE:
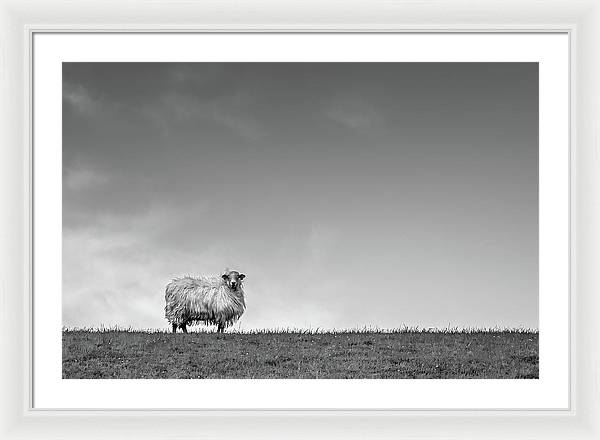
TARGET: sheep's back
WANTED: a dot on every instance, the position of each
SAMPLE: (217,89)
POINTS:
(192,288)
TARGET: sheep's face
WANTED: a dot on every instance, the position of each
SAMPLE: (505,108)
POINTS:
(233,279)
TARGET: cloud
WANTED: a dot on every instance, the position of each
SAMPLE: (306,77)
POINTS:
(231,112)
(239,123)
(355,114)
(186,74)
(83,178)
(79,98)
(114,270)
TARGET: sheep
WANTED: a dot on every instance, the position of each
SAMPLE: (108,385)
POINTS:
(216,300)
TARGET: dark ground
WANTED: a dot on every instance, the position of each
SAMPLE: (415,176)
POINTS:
(349,355)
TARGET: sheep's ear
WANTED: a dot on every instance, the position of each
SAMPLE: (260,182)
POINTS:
(241,276)
(225,276)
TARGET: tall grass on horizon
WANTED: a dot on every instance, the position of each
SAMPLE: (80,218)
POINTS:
(316,330)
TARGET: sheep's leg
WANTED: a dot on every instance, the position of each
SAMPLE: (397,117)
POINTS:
(184,328)
(221,328)
(174,328)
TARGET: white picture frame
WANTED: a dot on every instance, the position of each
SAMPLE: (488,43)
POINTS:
(581,20)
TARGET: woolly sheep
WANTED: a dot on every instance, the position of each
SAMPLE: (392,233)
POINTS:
(216,300)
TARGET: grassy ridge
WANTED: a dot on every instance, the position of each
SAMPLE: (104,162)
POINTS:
(343,355)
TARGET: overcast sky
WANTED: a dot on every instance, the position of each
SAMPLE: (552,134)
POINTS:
(351,194)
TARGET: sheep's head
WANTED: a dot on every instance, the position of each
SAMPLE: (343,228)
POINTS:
(233,278)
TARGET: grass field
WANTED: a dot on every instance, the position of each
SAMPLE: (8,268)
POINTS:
(345,355)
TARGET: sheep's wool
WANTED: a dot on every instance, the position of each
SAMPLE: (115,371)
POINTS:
(208,300)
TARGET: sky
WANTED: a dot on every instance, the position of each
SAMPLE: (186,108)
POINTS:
(350,194)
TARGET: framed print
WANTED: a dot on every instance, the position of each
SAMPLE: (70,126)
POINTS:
(198,145)
(253,227)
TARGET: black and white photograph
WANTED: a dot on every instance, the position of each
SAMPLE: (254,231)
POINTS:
(300,220)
